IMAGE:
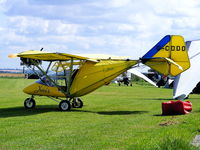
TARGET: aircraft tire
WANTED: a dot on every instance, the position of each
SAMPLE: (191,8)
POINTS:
(77,103)
(29,103)
(64,105)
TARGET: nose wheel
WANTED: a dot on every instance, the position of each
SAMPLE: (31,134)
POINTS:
(29,103)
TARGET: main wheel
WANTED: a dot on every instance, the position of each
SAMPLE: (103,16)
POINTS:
(64,105)
(29,103)
(77,103)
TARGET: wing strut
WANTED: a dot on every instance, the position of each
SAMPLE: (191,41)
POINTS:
(45,73)
(70,76)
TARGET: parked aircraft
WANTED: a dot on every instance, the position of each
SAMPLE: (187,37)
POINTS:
(136,72)
(78,75)
(123,79)
(187,81)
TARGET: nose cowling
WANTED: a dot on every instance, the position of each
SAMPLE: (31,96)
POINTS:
(38,89)
(43,90)
(31,89)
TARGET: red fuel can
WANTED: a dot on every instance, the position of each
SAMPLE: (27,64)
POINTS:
(176,107)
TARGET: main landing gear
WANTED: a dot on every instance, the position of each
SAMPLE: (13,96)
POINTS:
(64,105)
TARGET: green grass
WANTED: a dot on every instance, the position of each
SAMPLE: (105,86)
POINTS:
(113,118)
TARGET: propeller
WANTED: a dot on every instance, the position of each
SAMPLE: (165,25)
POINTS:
(12,55)
(15,55)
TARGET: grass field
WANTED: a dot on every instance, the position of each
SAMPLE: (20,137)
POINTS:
(113,118)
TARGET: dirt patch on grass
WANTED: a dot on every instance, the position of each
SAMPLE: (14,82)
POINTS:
(172,121)
(19,75)
(168,123)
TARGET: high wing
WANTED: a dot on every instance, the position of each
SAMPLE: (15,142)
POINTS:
(49,56)
(105,57)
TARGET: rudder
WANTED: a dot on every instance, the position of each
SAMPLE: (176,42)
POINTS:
(169,56)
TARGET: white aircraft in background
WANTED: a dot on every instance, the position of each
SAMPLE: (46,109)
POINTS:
(136,72)
(139,71)
(187,81)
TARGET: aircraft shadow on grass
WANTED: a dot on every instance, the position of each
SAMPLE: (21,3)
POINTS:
(20,111)
(158,99)
(121,112)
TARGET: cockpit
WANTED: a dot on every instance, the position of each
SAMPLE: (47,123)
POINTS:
(54,79)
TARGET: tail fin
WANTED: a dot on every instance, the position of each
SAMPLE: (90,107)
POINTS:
(169,56)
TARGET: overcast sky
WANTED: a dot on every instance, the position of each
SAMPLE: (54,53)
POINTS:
(117,27)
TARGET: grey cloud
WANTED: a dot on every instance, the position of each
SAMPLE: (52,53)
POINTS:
(76,12)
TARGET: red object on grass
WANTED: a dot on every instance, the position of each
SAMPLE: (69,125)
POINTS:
(176,107)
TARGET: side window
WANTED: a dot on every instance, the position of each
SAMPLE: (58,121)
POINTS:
(44,81)
(61,80)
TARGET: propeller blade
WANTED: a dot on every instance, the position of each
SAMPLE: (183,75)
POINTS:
(12,55)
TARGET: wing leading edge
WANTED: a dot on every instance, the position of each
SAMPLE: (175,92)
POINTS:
(49,56)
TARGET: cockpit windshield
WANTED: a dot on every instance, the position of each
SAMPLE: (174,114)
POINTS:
(59,78)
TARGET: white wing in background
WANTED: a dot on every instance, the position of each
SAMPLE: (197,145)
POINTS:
(139,74)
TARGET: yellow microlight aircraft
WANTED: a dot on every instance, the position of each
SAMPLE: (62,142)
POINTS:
(76,75)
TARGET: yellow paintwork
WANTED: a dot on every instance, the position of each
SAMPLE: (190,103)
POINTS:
(48,56)
(159,65)
(179,56)
(89,77)
(93,75)
(43,90)
(104,56)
